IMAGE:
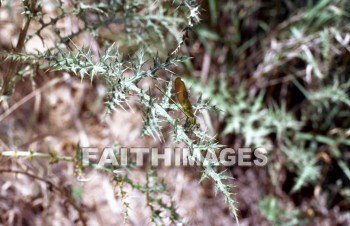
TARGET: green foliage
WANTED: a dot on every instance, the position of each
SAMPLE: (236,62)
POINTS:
(279,73)
(123,62)
(302,161)
(277,214)
(277,78)
(247,115)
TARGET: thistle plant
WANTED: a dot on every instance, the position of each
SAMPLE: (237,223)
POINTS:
(127,54)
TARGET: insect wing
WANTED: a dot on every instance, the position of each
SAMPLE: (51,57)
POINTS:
(182,97)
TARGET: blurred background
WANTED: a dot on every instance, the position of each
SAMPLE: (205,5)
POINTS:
(278,71)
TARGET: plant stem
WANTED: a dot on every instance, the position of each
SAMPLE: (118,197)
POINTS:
(7,85)
(31,154)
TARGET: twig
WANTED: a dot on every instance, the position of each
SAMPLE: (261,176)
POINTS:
(32,154)
(7,86)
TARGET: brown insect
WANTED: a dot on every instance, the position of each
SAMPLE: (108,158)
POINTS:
(182,98)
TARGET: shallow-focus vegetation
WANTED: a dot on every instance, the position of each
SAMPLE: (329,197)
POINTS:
(101,73)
